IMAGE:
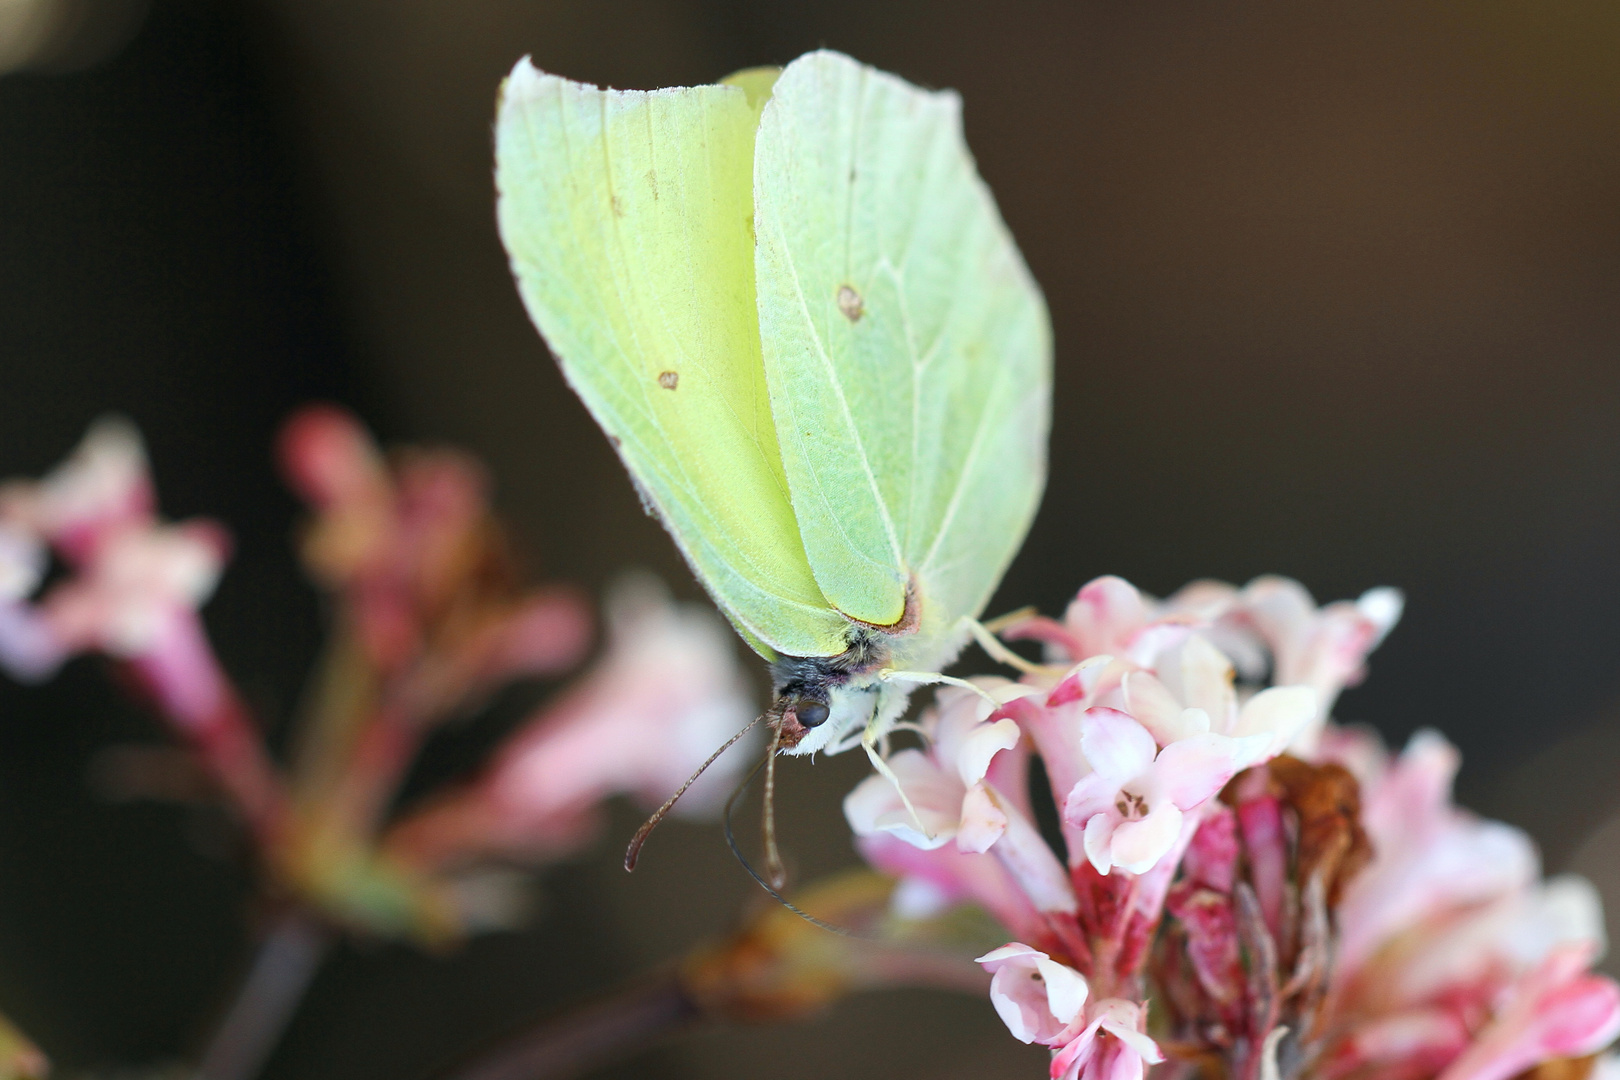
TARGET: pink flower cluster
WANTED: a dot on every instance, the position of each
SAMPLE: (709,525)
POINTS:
(1224,884)
(429,619)
(131,591)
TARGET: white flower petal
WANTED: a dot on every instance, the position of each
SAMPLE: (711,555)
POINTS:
(1093,794)
(983,822)
(875,806)
(1018,990)
(1099,840)
(1382,607)
(1281,711)
(1137,846)
(22,562)
(1154,707)
(1123,1020)
(983,743)
(1206,680)
(1066,989)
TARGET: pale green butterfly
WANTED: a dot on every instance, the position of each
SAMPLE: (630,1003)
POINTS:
(792,305)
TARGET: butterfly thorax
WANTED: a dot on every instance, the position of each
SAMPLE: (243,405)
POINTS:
(823,703)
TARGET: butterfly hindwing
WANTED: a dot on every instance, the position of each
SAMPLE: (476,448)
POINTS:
(906,344)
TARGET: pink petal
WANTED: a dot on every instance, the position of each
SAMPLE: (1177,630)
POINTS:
(329,457)
(1048,631)
(1105,614)
(1191,770)
(1032,863)
(1116,746)
(1075,1055)
(1093,795)
(1035,996)
(1558,1012)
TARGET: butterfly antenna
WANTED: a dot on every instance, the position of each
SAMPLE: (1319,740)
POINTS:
(731,842)
(633,853)
(773,855)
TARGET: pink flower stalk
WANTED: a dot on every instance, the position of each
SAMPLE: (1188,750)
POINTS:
(429,614)
(1292,904)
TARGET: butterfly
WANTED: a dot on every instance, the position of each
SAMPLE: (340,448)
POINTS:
(792,305)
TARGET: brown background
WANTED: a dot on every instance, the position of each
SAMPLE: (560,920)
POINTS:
(1335,294)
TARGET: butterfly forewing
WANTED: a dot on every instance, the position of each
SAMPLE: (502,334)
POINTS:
(628,218)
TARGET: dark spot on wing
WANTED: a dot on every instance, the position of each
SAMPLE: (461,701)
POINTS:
(852,174)
(669,379)
(850,303)
(615,441)
(652,182)
(618,206)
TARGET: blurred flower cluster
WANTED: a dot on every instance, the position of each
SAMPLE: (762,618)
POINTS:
(1220,882)
(428,621)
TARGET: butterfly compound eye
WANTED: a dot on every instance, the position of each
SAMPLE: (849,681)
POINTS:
(811,713)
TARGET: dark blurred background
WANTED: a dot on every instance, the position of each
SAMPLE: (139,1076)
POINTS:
(1336,290)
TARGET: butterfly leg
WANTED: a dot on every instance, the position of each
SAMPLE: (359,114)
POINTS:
(934,678)
(869,744)
(998,651)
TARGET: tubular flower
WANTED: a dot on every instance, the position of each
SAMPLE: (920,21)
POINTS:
(1044,1001)
(135,582)
(944,793)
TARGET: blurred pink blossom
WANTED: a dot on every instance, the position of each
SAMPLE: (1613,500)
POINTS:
(665,694)
(430,618)
(133,591)
(135,582)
